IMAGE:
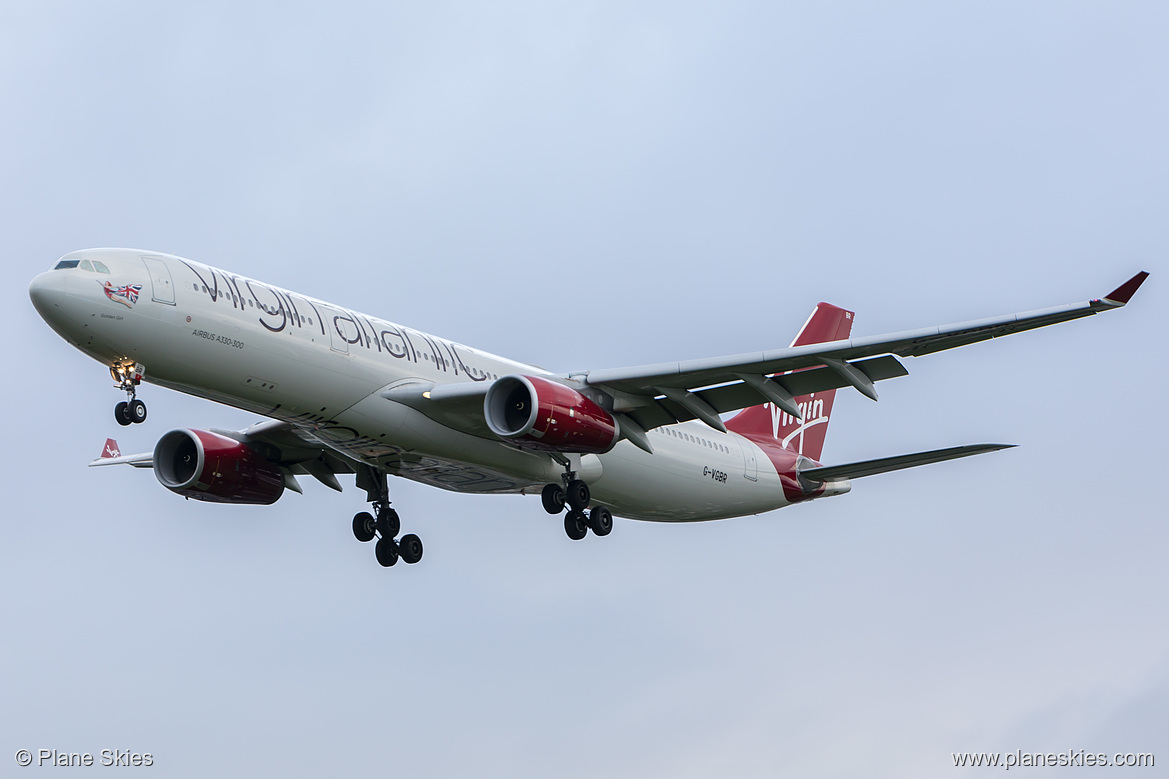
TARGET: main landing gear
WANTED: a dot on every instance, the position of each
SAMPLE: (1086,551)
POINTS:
(575,494)
(129,375)
(383,523)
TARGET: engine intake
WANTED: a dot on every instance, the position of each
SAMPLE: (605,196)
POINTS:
(541,414)
(208,466)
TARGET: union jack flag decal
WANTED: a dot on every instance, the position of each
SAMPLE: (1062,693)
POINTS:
(126,294)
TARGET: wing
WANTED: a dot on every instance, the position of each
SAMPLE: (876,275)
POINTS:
(655,395)
(142,460)
(289,447)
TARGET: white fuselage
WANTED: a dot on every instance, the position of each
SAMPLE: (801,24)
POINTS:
(291,357)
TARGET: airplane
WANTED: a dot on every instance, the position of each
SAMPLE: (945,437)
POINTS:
(347,393)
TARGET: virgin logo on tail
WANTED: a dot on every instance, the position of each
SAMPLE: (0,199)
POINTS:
(111,449)
(812,410)
(827,323)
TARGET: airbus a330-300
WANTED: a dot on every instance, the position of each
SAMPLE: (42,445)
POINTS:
(347,393)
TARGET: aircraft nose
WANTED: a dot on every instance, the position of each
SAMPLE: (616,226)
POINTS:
(47,292)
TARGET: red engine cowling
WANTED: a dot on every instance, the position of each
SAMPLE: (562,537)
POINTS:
(541,414)
(208,466)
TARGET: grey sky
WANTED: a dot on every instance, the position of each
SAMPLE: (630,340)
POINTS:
(595,186)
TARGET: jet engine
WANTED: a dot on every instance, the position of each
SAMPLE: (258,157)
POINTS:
(208,466)
(537,413)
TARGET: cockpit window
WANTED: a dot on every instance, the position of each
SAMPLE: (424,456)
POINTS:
(90,265)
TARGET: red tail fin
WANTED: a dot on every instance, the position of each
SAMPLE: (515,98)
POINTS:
(111,449)
(827,323)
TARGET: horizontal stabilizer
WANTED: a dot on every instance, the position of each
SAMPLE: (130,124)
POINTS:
(886,464)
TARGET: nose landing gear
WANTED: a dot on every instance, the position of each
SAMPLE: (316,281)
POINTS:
(129,374)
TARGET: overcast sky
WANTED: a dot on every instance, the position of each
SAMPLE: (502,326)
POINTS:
(588,186)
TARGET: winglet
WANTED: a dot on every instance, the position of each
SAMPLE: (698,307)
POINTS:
(1125,291)
(111,449)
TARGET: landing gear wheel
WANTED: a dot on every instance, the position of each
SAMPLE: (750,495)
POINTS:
(575,525)
(388,523)
(601,520)
(386,552)
(553,498)
(363,527)
(578,495)
(136,411)
(122,413)
(410,548)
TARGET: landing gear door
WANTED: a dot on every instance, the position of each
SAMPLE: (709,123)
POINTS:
(750,465)
(162,289)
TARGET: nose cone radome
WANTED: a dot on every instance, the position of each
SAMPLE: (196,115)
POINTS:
(47,292)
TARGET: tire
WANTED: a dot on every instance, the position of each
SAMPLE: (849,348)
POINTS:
(363,527)
(553,498)
(601,521)
(388,523)
(386,552)
(122,413)
(575,525)
(410,548)
(578,495)
(136,411)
